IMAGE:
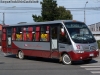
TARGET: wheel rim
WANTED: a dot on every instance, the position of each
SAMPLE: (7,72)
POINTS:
(66,59)
(20,55)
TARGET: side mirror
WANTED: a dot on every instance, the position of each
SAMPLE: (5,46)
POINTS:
(62,31)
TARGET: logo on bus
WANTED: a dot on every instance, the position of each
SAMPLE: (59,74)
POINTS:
(25,45)
(33,46)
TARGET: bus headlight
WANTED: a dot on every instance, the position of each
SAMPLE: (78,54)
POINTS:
(97,49)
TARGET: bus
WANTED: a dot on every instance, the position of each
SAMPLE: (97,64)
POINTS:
(66,40)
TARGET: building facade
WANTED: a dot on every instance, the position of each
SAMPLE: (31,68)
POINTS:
(95,29)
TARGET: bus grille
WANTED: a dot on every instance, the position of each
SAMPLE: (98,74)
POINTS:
(88,49)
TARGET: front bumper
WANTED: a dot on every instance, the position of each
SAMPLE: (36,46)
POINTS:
(81,56)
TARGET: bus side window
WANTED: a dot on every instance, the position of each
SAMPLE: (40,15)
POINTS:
(27,33)
(24,33)
(44,33)
(37,34)
(48,34)
(63,36)
(54,32)
(33,33)
(18,33)
(30,29)
(14,34)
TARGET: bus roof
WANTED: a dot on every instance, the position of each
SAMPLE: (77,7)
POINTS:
(38,23)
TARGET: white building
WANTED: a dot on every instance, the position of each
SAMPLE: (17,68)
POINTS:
(95,28)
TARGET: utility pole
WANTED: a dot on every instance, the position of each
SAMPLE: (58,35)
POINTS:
(3,18)
(84,12)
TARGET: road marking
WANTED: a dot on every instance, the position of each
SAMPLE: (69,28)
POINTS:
(95,71)
(89,66)
(92,68)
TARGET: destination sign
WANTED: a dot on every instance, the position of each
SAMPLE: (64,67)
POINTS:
(75,25)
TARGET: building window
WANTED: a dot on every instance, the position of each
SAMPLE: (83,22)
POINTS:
(99,28)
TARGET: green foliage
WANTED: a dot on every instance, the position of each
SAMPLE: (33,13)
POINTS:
(63,13)
(51,12)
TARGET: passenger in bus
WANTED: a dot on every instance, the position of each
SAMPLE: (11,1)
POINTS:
(43,37)
(27,37)
(13,36)
(18,37)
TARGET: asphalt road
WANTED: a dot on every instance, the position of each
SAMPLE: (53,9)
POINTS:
(10,65)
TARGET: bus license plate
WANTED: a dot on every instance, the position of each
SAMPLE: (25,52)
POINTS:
(91,54)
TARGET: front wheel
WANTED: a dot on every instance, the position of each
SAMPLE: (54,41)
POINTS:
(21,55)
(66,59)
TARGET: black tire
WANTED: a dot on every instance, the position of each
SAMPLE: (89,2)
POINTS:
(87,60)
(20,55)
(66,59)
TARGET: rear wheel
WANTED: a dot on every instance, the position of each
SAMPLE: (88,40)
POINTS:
(21,55)
(66,59)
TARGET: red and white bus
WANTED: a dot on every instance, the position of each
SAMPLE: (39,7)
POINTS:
(66,40)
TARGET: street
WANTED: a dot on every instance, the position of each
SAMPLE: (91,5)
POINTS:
(10,65)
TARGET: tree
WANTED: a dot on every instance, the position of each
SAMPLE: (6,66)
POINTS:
(51,12)
(64,14)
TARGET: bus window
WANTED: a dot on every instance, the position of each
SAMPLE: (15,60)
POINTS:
(27,33)
(30,29)
(37,34)
(63,36)
(54,32)
(9,35)
(14,34)
(18,33)
(33,33)
(44,33)
(48,34)
(24,33)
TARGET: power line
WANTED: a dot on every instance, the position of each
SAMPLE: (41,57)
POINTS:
(37,8)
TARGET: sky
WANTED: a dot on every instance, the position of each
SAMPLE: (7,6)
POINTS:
(92,16)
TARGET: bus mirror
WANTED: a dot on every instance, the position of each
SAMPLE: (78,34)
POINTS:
(62,31)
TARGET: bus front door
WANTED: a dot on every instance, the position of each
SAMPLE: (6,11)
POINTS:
(54,42)
(9,35)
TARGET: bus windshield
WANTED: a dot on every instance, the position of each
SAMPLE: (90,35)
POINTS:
(79,32)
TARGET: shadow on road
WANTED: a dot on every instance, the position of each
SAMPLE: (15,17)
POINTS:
(51,60)
(1,62)
(82,63)
(36,59)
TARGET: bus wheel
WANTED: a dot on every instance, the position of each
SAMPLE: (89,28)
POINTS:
(66,59)
(87,60)
(21,55)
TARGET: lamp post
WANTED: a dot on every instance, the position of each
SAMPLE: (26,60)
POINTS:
(3,18)
(84,12)
(3,13)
